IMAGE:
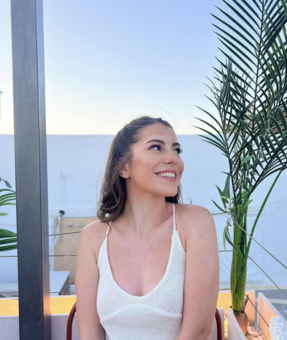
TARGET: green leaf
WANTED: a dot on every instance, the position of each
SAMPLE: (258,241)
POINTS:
(210,125)
(7,233)
(219,207)
(7,248)
(226,190)
(246,159)
(1,190)
(250,8)
(212,142)
(241,27)
(209,133)
(8,240)
(227,237)
(283,3)
(237,41)
(236,31)
(233,46)
(6,182)
(210,115)
(242,17)
(220,191)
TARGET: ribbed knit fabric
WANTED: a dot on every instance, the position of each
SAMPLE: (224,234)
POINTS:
(154,316)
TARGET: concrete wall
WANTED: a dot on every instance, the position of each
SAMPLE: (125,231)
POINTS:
(75,169)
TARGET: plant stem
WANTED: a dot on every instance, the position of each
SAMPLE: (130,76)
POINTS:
(239,266)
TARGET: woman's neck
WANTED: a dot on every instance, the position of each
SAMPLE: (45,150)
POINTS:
(143,213)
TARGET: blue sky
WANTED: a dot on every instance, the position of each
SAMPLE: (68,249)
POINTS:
(111,61)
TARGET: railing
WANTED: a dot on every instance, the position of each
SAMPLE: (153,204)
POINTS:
(220,251)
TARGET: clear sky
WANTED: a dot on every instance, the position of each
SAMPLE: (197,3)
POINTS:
(107,62)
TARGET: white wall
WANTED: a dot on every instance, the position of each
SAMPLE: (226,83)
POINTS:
(83,158)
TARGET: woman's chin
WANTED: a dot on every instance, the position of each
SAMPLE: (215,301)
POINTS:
(170,193)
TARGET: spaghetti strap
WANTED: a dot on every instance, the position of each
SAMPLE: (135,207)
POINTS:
(108,229)
(174,227)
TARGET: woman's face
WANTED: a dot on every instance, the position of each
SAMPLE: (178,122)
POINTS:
(155,165)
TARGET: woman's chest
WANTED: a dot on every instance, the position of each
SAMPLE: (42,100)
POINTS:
(164,296)
(138,266)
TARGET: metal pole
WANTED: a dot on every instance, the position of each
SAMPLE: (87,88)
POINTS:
(31,169)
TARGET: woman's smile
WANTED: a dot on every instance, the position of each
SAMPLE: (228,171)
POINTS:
(168,175)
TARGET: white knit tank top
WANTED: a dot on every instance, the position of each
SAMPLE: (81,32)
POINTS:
(154,316)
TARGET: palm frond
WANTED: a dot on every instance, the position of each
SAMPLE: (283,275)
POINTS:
(250,91)
(8,239)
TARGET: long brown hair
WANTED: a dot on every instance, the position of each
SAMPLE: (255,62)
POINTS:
(114,192)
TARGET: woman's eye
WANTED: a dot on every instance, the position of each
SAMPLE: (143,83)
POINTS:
(158,147)
(178,150)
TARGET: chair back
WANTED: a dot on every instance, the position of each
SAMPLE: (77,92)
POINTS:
(218,325)
(70,322)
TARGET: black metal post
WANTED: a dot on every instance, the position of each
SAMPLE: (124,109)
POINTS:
(31,169)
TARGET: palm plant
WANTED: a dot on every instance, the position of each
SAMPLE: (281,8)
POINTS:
(249,93)
(8,239)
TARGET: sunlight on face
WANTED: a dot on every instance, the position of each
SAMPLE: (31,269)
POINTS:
(156,165)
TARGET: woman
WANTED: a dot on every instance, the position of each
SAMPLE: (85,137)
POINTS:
(149,268)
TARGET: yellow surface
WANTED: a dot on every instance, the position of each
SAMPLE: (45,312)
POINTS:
(64,304)
(8,307)
(59,305)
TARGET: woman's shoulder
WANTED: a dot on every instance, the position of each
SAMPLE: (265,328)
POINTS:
(93,235)
(193,219)
(186,211)
(95,228)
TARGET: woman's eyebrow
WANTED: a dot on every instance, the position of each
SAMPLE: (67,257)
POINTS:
(161,142)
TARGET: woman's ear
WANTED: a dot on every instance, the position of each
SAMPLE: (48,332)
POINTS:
(124,169)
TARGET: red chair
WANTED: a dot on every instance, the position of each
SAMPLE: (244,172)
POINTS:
(218,325)
(70,322)
(73,311)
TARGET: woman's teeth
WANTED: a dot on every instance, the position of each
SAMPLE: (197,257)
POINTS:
(166,174)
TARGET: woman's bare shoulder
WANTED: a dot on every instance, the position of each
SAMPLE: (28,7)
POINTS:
(190,208)
(193,219)
(95,229)
(192,212)
(93,235)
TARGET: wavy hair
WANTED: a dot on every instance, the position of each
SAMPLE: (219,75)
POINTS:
(113,192)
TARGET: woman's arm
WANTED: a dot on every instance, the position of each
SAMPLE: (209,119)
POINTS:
(202,275)
(86,282)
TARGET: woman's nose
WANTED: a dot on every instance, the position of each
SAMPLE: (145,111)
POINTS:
(170,157)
